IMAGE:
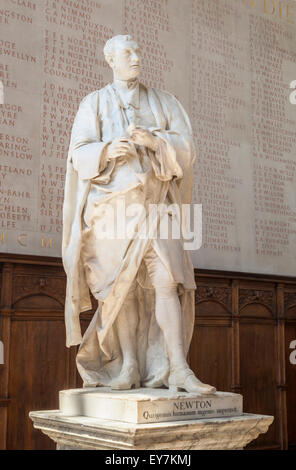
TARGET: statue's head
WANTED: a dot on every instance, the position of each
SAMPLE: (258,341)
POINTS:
(123,55)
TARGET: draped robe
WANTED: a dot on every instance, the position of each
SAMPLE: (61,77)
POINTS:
(164,176)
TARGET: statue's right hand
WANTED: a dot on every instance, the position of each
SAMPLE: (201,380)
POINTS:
(120,147)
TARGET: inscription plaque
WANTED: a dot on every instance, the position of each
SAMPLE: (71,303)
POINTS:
(147,405)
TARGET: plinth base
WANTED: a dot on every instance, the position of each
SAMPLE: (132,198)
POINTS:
(80,432)
(148,405)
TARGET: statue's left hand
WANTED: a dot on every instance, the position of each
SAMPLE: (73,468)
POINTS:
(141,136)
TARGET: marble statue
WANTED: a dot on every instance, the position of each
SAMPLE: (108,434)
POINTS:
(132,144)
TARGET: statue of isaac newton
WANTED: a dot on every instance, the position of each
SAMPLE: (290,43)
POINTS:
(130,144)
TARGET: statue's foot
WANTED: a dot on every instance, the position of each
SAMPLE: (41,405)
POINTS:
(128,378)
(184,379)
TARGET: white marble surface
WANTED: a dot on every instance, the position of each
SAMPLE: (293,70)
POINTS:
(205,434)
(147,405)
(131,148)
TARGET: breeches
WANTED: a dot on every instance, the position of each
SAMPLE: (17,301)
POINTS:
(100,260)
(161,279)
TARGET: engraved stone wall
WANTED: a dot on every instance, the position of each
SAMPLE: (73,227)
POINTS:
(229,62)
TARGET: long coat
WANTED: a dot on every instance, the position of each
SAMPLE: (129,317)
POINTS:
(98,120)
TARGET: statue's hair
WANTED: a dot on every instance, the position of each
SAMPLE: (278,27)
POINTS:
(110,45)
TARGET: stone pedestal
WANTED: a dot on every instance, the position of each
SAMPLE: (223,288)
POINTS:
(80,432)
(149,419)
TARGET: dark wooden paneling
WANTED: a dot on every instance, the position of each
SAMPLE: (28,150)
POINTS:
(291,381)
(258,375)
(36,359)
(38,365)
(210,351)
(210,355)
(6,290)
(243,328)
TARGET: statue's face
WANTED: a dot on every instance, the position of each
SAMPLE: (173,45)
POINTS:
(125,61)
